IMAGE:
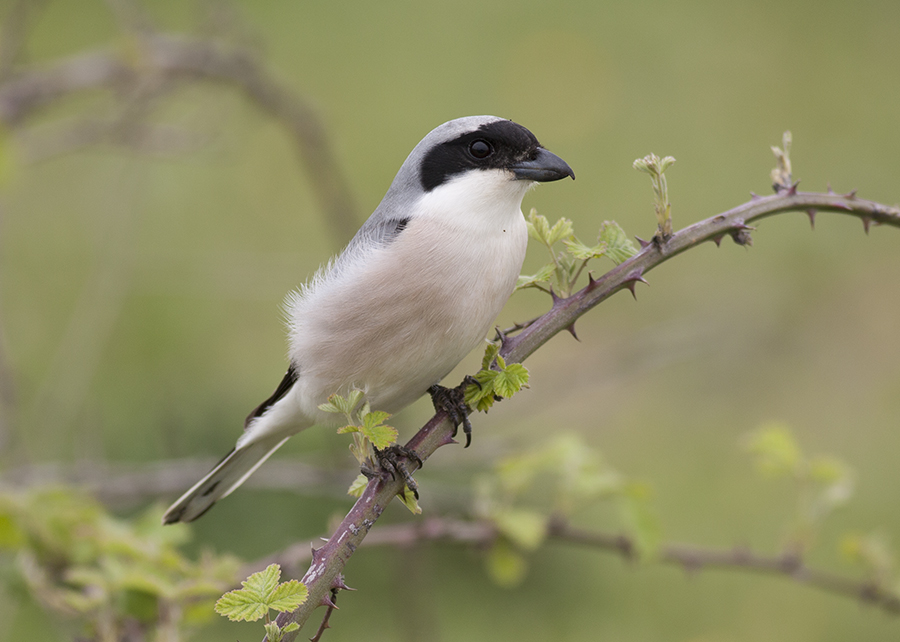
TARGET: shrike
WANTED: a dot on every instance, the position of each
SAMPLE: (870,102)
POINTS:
(415,291)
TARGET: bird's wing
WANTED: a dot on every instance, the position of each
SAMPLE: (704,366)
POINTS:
(377,231)
(290,378)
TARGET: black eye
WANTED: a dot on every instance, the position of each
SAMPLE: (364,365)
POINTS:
(480,148)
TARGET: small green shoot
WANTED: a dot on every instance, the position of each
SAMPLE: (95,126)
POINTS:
(656,167)
(555,480)
(566,266)
(111,575)
(781,175)
(823,483)
(496,377)
(408,499)
(369,432)
(367,426)
(873,553)
(260,594)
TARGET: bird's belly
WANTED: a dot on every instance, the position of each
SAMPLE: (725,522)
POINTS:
(401,328)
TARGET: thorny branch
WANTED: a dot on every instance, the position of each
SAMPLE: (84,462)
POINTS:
(324,625)
(691,558)
(329,560)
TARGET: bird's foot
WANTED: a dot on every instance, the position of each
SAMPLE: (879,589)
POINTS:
(392,460)
(453,402)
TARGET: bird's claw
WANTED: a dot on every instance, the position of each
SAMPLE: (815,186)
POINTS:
(453,402)
(392,460)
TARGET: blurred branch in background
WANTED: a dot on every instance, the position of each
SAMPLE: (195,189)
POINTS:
(128,484)
(66,384)
(139,73)
(7,384)
(151,66)
(481,534)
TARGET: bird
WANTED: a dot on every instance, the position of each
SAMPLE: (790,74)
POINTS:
(415,290)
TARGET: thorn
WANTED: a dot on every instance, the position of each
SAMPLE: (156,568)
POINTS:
(792,190)
(571,330)
(592,282)
(866,223)
(717,239)
(501,335)
(556,299)
(327,601)
(642,242)
(447,441)
(851,194)
(339,584)
(633,278)
(811,213)
(754,196)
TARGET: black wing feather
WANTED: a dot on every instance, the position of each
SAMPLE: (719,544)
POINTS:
(290,378)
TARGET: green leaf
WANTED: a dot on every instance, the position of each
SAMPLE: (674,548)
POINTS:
(358,486)
(11,535)
(871,551)
(490,355)
(504,381)
(343,430)
(562,229)
(408,498)
(827,470)
(777,452)
(638,512)
(565,270)
(329,407)
(505,565)
(527,529)
(666,162)
(252,601)
(287,596)
(287,628)
(240,605)
(380,435)
(541,276)
(510,380)
(361,448)
(273,632)
(344,405)
(618,246)
(481,398)
(538,227)
(372,419)
(584,252)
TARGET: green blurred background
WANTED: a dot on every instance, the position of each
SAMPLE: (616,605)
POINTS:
(139,296)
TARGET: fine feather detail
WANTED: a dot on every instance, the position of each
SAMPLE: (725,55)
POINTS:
(290,378)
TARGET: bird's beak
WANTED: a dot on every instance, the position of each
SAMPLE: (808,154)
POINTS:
(544,168)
